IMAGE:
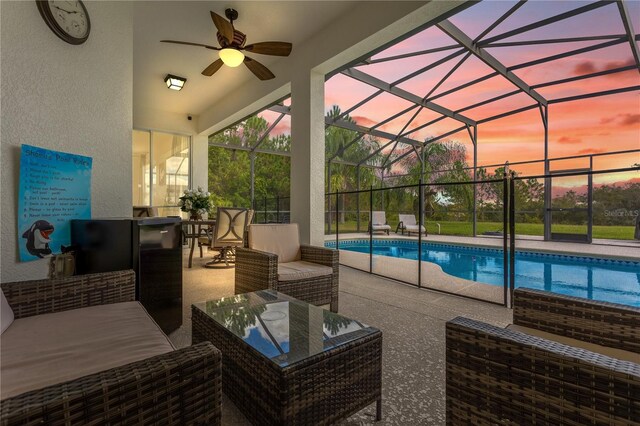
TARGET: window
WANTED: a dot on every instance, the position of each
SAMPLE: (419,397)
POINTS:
(160,170)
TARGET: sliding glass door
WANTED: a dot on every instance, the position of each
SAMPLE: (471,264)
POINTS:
(161,170)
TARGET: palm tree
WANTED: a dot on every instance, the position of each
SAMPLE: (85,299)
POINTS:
(343,177)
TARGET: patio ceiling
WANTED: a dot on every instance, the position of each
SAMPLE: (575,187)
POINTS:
(490,61)
(290,21)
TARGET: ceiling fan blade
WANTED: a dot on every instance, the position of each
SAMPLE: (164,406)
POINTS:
(190,44)
(224,27)
(212,68)
(258,69)
(275,48)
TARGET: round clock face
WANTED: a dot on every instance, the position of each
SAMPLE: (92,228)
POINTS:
(69,20)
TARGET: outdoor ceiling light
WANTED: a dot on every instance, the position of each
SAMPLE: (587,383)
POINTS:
(174,82)
(231,57)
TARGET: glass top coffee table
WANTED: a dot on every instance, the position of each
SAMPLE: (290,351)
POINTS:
(288,362)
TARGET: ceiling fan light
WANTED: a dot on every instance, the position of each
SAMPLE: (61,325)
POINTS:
(174,82)
(231,57)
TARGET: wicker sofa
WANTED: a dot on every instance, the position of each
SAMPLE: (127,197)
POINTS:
(74,328)
(276,260)
(564,361)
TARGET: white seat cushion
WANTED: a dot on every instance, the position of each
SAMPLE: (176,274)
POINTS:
(414,228)
(299,270)
(280,239)
(380,227)
(6,313)
(407,220)
(43,350)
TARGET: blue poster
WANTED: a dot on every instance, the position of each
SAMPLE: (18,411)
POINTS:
(55,187)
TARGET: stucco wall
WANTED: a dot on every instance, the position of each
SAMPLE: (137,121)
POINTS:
(69,98)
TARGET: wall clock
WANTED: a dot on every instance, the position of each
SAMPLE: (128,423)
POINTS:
(68,20)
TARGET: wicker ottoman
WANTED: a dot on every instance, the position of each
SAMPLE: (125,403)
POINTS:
(287,362)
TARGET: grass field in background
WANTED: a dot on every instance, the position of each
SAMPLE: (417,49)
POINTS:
(466,229)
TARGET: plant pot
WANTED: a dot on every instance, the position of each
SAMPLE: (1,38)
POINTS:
(195,216)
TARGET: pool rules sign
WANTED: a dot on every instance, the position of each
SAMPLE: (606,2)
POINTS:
(55,187)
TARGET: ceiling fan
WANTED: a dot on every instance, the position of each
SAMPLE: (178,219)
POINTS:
(232,45)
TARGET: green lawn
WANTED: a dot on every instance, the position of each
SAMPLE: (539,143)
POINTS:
(466,229)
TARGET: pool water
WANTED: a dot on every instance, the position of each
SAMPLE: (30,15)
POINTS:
(616,281)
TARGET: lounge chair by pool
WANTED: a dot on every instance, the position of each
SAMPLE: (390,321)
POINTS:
(408,223)
(379,222)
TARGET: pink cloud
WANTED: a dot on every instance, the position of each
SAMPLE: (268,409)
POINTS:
(588,67)
(629,119)
(585,67)
(364,121)
(624,119)
(569,140)
(618,64)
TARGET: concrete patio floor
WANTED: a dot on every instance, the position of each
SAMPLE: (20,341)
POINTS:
(413,324)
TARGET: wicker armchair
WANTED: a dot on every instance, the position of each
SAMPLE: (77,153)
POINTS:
(258,267)
(539,371)
(177,387)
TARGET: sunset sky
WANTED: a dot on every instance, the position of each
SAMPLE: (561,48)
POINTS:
(596,125)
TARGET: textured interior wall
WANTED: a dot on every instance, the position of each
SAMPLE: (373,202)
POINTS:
(69,98)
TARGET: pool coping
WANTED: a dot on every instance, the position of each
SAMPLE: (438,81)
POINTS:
(484,244)
(433,276)
(540,253)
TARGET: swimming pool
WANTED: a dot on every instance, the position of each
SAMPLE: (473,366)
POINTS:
(609,280)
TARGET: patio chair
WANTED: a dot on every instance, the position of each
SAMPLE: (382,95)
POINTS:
(276,260)
(206,240)
(565,360)
(408,223)
(229,233)
(246,231)
(378,222)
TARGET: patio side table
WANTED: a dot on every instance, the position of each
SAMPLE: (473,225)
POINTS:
(286,362)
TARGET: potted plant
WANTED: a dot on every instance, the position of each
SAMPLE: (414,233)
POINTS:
(196,202)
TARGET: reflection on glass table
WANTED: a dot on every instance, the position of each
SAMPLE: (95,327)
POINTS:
(281,328)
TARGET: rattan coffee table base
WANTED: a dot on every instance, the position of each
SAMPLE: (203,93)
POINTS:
(319,390)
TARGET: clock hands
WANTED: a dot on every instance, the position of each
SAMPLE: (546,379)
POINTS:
(69,12)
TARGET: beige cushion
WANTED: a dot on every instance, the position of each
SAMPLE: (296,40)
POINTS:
(380,227)
(602,350)
(407,219)
(378,218)
(300,270)
(280,239)
(414,228)
(47,349)
(6,313)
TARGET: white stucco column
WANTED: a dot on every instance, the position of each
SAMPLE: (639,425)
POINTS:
(200,161)
(307,155)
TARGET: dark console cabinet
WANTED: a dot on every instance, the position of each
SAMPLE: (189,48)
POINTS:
(149,246)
